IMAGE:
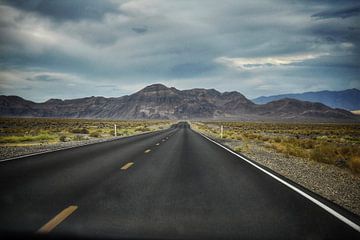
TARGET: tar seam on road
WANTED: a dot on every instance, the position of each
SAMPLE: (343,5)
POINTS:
(317,202)
(147,151)
(49,226)
(126,166)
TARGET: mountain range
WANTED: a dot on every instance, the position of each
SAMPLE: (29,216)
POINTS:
(160,102)
(347,99)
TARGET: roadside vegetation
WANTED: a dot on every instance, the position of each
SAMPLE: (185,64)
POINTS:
(336,144)
(34,131)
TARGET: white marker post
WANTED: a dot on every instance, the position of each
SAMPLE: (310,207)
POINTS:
(221,131)
(115,130)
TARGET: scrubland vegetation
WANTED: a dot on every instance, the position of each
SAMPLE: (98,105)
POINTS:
(337,144)
(30,131)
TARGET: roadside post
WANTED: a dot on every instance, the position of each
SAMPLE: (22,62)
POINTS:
(115,130)
(221,131)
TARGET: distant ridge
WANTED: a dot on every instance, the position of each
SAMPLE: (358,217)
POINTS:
(160,102)
(347,99)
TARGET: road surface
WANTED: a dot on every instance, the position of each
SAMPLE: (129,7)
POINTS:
(169,184)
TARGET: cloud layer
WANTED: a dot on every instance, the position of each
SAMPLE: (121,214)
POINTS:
(66,49)
(258,62)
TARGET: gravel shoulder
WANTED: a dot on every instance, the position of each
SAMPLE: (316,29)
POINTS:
(339,185)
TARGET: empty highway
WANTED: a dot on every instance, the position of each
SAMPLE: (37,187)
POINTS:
(169,184)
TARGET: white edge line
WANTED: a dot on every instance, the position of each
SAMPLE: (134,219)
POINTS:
(317,202)
(65,148)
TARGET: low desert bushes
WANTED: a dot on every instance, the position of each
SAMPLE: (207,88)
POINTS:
(354,164)
(323,153)
(80,131)
(28,138)
(337,144)
(95,134)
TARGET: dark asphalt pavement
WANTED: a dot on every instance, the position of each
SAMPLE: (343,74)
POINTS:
(184,187)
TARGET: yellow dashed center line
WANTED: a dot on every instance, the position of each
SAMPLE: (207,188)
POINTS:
(126,166)
(147,151)
(48,227)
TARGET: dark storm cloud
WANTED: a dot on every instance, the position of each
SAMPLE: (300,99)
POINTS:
(66,9)
(336,13)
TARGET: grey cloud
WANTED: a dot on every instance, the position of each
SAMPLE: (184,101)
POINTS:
(335,13)
(175,42)
(43,78)
(191,69)
(140,30)
(66,9)
(106,86)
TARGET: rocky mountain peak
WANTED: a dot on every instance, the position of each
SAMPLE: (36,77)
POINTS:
(154,88)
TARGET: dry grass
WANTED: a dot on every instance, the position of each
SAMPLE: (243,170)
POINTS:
(354,164)
(337,144)
(18,131)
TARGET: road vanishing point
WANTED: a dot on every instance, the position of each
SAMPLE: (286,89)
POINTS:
(173,183)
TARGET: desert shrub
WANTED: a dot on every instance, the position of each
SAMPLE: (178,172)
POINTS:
(238,149)
(344,150)
(264,138)
(142,129)
(295,151)
(307,144)
(78,138)
(323,153)
(279,147)
(28,138)
(95,134)
(277,140)
(62,138)
(238,137)
(354,164)
(112,132)
(80,131)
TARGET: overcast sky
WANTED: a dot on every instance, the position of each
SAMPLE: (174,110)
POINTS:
(69,49)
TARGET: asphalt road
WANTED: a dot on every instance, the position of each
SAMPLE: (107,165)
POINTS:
(168,184)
